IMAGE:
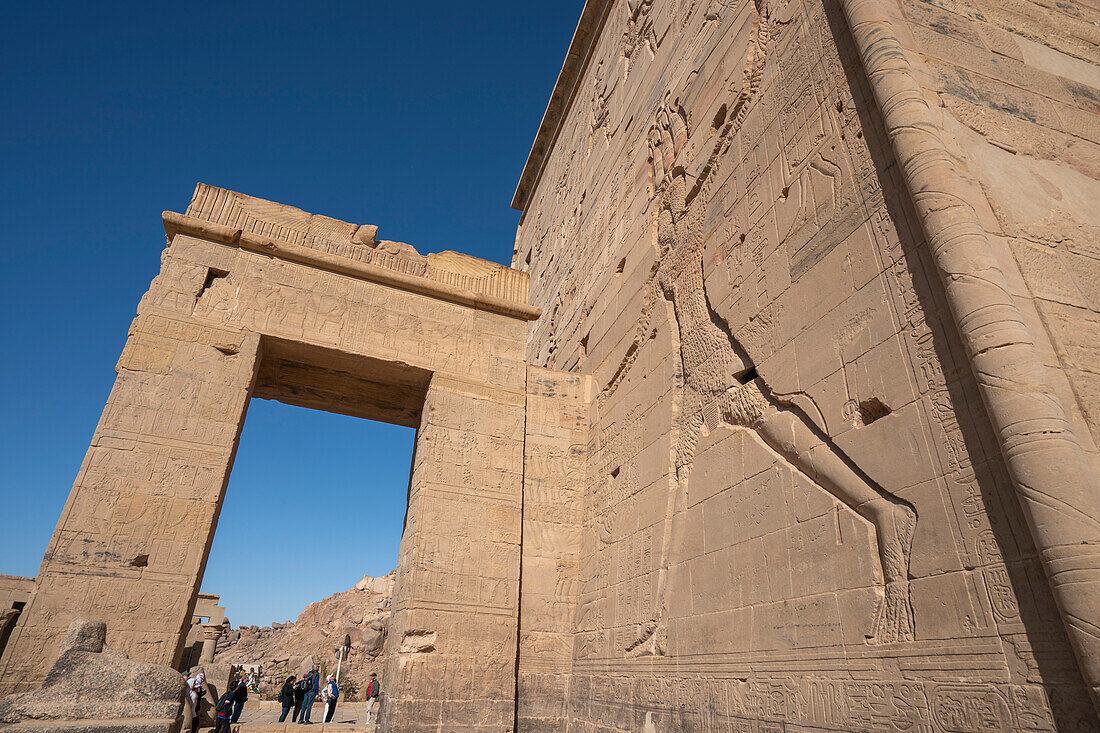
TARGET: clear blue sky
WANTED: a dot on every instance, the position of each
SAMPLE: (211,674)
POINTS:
(413,116)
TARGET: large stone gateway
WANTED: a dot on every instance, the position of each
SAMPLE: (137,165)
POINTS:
(792,428)
(256,299)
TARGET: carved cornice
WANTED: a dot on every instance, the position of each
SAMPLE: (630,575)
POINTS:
(565,89)
(227,217)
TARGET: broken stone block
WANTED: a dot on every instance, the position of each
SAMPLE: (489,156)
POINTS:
(92,687)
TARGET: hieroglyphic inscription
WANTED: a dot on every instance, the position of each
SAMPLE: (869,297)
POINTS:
(970,709)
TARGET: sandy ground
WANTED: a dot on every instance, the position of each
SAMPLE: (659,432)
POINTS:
(267,712)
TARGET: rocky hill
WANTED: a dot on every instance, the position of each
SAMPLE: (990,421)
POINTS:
(362,612)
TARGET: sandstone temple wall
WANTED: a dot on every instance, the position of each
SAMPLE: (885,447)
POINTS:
(797,513)
(14,589)
(785,419)
(1018,88)
(553,521)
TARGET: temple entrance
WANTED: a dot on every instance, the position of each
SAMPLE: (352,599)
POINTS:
(255,299)
(308,489)
(313,515)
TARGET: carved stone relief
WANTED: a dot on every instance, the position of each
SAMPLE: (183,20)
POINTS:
(639,35)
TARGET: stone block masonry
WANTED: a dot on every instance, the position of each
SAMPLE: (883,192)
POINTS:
(259,300)
(841,473)
(784,418)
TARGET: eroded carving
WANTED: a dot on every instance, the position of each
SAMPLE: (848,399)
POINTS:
(599,132)
(638,34)
(717,380)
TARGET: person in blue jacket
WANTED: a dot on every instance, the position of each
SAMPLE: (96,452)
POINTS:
(314,680)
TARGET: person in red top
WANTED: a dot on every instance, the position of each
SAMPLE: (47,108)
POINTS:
(372,694)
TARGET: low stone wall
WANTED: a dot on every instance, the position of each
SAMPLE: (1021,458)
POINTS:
(14,589)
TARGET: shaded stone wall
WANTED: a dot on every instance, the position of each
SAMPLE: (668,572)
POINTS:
(1018,86)
(797,513)
(553,501)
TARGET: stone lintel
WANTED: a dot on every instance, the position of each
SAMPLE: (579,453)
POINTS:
(14,582)
(277,230)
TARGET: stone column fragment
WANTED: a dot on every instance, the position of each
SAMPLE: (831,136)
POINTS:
(210,635)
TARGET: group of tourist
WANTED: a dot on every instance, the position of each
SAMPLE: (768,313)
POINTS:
(296,694)
(229,707)
(299,694)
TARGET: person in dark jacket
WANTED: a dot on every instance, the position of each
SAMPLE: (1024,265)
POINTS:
(240,695)
(223,711)
(286,698)
(313,680)
(299,697)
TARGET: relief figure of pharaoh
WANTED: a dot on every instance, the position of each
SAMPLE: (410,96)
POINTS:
(718,382)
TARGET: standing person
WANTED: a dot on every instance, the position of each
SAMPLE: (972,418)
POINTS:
(313,680)
(299,698)
(240,695)
(196,690)
(373,688)
(251,681)
(286,697)
(330,695)
(223,711)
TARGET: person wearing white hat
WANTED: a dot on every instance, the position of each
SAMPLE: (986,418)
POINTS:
(196,689)
(330,695)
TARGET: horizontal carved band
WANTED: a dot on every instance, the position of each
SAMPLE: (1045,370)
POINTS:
(181,224)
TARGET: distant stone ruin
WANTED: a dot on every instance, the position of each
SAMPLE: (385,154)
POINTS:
(785,417)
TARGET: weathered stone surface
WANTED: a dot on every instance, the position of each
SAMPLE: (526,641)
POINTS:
(130,725)
(256,299)
(85,635)
(90,682)
(14,589)
(801,436)
(796,473)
